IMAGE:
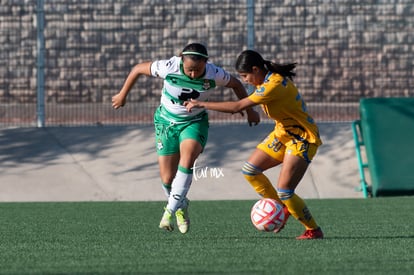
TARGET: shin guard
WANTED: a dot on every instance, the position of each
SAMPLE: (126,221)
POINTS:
(259,182)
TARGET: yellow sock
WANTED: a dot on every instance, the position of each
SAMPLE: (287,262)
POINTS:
(298,209)
(262,186)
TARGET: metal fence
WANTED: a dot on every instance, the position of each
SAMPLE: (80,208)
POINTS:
(68,58)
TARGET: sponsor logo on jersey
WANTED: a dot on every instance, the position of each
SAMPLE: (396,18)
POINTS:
(260,91)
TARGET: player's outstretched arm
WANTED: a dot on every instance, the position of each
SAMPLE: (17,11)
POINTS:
(253,117)
(224,106)
(119,99)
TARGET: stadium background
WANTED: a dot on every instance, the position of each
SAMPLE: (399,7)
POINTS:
(345,49)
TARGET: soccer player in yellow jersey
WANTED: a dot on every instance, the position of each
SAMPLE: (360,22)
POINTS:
(293,142)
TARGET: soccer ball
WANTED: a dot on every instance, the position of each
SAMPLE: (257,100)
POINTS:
(267,215)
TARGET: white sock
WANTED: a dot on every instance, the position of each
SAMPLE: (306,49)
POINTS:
(180,186)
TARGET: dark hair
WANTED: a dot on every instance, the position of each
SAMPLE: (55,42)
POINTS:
(249,58)
(195,51)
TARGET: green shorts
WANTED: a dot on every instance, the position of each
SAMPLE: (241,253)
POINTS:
(170,131)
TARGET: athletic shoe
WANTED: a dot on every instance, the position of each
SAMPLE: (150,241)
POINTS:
(287,215)
(311,234)
(183,221)
(166,221)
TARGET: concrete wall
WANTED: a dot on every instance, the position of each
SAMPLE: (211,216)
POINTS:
(345,49)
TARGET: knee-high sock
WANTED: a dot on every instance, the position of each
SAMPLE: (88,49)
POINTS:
(180,186)
(259,182)
(297,208)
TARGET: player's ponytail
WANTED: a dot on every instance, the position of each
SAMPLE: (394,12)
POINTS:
(249,59)
(285,70)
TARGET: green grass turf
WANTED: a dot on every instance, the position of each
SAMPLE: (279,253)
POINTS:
(362,236)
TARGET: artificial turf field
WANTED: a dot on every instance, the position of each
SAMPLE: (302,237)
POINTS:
(362,236)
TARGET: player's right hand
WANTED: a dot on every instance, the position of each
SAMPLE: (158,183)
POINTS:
(118,101)
(189,105)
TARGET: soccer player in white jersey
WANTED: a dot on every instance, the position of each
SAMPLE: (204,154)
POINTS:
(181,136)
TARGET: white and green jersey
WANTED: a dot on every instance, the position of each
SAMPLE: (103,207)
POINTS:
(178,87)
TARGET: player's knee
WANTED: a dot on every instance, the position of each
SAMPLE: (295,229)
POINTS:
(285,194)
(250,170)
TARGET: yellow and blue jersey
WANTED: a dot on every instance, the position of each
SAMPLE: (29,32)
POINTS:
(282,102)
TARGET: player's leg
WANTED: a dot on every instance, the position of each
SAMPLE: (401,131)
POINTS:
(168,168)
(178,202)
(193,138)
(253,169)
(291,173)
(189,151)
(167,146)
(294,167)
(268,154)
(168,151)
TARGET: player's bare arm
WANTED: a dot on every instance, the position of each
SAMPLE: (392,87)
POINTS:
(225,106)
(119,99)
(253,117)
(237,87)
